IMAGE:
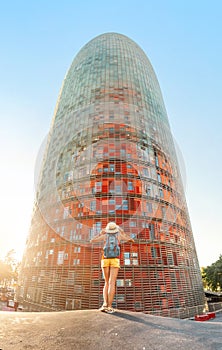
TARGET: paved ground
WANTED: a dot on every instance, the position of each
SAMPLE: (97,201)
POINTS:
(94,330)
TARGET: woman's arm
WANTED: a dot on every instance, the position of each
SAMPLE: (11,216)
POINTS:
(99,237)
(124,237)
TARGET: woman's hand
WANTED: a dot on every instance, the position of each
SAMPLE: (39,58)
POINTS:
(102,232)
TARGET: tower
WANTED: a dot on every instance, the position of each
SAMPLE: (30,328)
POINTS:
(110,156)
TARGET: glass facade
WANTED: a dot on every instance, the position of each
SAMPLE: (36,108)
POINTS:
(110,156)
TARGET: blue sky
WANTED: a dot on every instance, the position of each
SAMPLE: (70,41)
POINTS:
(182,39)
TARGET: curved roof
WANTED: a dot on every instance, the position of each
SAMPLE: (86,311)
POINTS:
(108,65)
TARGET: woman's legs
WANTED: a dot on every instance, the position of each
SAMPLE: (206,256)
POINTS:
(110,275)
(112,284)
(106,273)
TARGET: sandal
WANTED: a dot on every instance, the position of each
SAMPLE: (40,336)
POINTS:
(103,308)
(110,310)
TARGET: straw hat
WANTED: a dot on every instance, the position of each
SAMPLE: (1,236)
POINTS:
(112,227)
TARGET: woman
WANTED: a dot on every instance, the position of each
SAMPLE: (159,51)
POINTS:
(110,266)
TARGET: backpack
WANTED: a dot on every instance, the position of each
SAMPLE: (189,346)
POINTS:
(111,248)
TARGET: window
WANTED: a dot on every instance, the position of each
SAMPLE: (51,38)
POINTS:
(120,298)
(76,261)
(93,205)
(130,259)
(132,224)
(158,177)
(161,192)
(152,231)
(148,191)
(60,257)
(130,186)
(120,283)
(125,204)
(98,186)
(127,261)
(156,161)
(153,252)
(91,232)
(128,283)
(138,305)
(98,226)
(68,176)
(77,249)
(149,207)
(145,172)
(170,259)
(118,189)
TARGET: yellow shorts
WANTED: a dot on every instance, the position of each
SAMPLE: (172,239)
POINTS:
(114,262)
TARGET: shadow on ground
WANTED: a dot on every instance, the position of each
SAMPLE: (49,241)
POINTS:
(95,330)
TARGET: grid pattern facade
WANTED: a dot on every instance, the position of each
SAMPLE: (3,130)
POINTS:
(110,157)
